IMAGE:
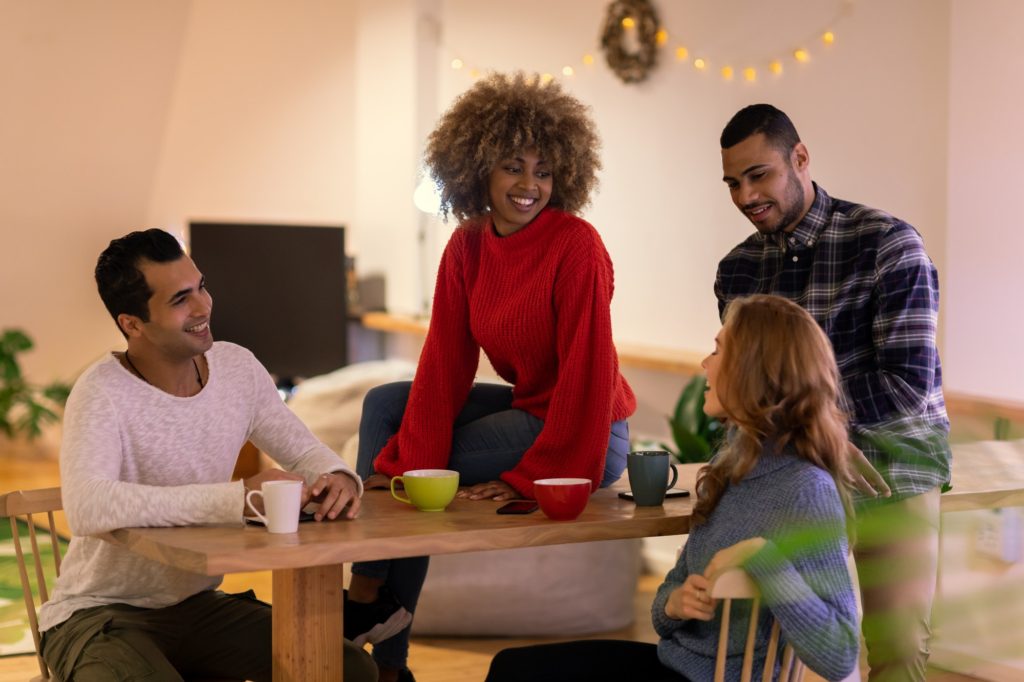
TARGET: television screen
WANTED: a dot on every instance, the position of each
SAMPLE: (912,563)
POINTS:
(278,290)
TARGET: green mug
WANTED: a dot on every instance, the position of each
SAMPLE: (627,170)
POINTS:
(428,489)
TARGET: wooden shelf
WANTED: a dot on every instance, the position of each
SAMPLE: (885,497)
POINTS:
(630,355)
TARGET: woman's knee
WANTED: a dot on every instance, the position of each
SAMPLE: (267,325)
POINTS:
(387,397)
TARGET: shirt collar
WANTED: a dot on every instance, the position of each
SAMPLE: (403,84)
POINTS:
(808,230)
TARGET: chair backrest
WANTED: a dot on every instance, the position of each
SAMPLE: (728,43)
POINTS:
(736,584)
(26,505)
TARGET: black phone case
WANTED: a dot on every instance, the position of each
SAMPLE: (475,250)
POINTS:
(519,507)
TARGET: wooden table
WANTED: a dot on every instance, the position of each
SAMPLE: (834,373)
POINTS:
(986,475)
(307,565)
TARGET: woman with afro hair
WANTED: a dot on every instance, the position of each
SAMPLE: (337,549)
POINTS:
(529,282)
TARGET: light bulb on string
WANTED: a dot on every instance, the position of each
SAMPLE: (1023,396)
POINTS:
(568,71)
(828,37)
(699,64)
(628,22)
(661,36)
(776,67)
(588,59)
(727,73)
(750,74)
(801,55)
(457,64)
(682,53)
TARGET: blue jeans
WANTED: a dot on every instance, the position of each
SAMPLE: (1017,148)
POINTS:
(489,438)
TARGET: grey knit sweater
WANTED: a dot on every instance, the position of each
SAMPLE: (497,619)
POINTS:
(801,573)
(133,455)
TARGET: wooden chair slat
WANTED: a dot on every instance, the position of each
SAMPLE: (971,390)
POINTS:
(736,584)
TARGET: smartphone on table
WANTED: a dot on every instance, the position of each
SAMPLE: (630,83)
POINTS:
(518,507)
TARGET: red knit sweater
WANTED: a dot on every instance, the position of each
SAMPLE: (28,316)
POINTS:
(537,302)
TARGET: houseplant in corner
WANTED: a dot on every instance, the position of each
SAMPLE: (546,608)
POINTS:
(696,435)
(25,407)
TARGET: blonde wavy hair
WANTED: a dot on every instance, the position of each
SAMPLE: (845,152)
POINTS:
(778,384)
(500,116)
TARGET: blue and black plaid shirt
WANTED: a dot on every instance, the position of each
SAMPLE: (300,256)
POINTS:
(865,277)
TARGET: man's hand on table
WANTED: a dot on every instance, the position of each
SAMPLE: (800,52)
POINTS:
(335,492)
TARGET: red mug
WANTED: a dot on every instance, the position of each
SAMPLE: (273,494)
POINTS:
(562,499)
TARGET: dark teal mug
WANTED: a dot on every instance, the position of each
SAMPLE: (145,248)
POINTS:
(649,476)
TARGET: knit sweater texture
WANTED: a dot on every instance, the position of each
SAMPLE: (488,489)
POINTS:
(801,573)
(538,303)
(135,456)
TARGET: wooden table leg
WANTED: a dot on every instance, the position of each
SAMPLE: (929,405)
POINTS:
(307,624)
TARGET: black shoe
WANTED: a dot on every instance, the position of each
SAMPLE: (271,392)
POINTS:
(376,621)
(405,675)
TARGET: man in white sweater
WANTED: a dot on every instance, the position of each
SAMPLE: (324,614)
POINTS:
(151,436)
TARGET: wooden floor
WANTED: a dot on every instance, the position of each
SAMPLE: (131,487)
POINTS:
(459,659)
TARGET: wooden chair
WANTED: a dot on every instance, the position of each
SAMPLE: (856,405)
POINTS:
(25,505)
(736,584)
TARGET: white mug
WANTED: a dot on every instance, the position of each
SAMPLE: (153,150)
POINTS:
(281,502)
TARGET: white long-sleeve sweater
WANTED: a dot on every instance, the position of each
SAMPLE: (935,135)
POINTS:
(133,455)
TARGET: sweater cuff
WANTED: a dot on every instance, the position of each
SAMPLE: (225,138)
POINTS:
(523,486)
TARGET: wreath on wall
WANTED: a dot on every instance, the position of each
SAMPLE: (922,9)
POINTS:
(630,66)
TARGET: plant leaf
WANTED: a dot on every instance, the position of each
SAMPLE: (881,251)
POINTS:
(57,392)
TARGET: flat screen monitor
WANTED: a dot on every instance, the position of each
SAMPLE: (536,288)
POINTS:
(278,290)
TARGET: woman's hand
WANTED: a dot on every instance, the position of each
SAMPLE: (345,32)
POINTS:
(334,492)
(733,557)
(377,481)
(492,490)
(691,600)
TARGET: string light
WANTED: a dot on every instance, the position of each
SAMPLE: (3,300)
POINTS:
(775,66)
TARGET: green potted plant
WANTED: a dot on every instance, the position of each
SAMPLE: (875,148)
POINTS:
(696,435)
(25,407)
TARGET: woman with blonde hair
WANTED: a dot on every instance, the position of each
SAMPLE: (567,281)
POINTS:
(773,501)
(529,282)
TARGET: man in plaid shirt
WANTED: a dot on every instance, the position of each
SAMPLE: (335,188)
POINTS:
(865,277)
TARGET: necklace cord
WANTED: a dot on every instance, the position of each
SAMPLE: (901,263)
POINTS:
(199,375)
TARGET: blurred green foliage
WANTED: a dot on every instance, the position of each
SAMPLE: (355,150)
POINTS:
(25,407)
(696,435)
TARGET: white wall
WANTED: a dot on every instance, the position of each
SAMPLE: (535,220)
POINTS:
(86,90)
(262,123)
(983,314)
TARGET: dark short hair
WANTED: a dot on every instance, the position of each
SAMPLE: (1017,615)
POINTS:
(121,283)
(761,118)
